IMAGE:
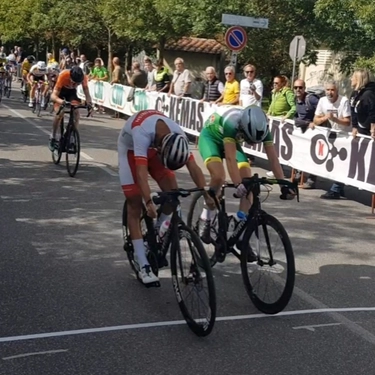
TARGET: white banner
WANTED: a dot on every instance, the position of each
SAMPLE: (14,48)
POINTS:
(322,152)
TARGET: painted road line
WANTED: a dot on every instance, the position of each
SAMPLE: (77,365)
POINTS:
(181,322)
(35,353)
(83,154)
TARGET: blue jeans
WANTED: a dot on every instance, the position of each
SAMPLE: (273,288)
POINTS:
(337,187)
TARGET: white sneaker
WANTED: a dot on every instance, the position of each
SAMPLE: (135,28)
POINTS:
(147,276)
(270,174)
(31,105)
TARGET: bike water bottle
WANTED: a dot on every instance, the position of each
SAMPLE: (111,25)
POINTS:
(164,228)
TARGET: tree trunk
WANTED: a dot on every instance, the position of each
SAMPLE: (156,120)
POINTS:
(162,42)
(36,46)
(110,51)
(53,45)
(129,57)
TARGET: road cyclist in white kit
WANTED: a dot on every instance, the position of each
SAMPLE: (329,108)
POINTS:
(151,143)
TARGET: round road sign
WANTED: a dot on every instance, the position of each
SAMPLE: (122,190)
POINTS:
(236,38)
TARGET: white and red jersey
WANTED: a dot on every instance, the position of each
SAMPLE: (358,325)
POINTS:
(138,133)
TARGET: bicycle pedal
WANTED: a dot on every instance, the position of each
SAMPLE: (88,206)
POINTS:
(163,262)
(155,284)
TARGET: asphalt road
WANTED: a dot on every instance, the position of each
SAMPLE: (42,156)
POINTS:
(69,303)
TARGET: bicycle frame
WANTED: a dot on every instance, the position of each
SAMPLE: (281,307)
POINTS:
(253,187)
(161,249)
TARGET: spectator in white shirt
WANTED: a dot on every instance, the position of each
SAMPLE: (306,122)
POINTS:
(181,82)
(333,111)
(251,88)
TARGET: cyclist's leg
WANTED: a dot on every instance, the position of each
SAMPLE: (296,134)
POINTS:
(44,91)
(212,154)
(245,171)
(127,172)
(166,180)
(32,90)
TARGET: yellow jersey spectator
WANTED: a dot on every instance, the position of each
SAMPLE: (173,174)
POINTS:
(50,59)
(231,93)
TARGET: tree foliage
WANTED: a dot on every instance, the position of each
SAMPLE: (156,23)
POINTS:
(342,25)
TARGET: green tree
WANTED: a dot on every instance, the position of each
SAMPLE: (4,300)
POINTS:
(350,31)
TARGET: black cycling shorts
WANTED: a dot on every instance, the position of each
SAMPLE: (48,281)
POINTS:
(69,95)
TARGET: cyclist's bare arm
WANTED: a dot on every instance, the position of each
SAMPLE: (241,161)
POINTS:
(55,96)
(87,95)
(196,173)
(275,165)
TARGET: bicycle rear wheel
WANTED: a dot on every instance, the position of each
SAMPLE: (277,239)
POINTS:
(56,154)
(73,149)
(9,88)
(38,104)
(275,265)
(190,267)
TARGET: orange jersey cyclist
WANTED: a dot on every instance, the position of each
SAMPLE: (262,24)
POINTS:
(65,90)
(151,143)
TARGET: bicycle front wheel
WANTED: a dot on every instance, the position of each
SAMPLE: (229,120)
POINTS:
(194,221)
(73,148)
(57,152)
(193,282)
(269,281)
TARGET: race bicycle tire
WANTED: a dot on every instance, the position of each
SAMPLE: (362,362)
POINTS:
(264,221)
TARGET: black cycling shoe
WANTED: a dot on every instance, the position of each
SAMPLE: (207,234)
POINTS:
(205,231)
(251,256)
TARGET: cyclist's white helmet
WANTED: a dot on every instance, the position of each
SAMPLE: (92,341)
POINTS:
(174,151)
(253,124)
(41,65)
(11,57)
(54,66)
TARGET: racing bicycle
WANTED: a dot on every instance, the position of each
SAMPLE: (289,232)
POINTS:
(258,237)
(37,104)
(68,140)
(190,268)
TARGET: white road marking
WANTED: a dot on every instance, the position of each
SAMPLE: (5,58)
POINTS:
(180,322)
(335,314)
(83,154)
(312,327)
(35,353)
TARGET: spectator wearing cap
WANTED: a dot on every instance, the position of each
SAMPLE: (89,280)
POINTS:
(162,79)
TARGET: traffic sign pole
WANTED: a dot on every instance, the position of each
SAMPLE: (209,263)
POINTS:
(233,58)
(295,61)
(297,50)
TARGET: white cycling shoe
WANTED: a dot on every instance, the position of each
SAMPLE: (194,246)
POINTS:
(147,276)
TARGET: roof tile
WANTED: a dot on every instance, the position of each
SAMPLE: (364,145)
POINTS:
(190,44)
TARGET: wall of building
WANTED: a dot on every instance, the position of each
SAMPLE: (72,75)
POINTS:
(327,67)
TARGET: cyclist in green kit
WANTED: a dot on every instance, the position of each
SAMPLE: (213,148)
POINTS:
(220,138)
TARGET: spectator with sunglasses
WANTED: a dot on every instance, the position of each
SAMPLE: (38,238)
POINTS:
(251,88)
(231,93)
(283,103)
(306,106)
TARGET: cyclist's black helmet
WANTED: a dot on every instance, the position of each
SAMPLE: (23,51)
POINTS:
(76,74)
(30,59)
